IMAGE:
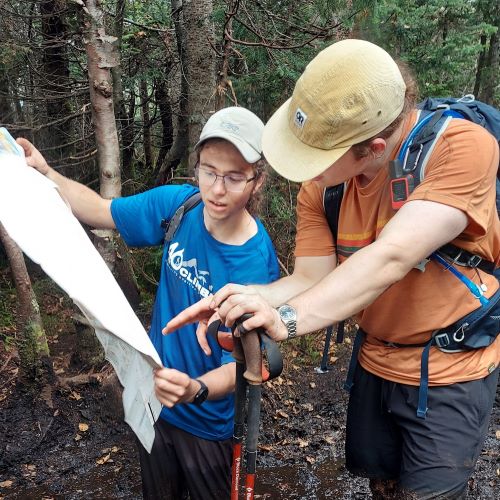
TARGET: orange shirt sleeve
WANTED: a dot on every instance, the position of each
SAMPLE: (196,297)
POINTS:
(460,174)
(313,238)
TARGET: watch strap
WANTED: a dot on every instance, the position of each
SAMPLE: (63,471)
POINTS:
(202,394)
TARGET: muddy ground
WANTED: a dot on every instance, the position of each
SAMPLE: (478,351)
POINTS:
(71,442)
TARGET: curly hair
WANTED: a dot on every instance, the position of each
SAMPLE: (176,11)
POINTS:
(259,171)
(362,149)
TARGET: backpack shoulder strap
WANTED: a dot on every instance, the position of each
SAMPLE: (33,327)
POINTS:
(332,198)
(170,226)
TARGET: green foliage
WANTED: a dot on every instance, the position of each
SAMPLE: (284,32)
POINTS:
(7,313)
(440,39)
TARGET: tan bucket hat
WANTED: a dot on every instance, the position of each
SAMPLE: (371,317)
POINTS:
(349,92)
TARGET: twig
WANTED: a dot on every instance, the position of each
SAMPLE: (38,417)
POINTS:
(6,362)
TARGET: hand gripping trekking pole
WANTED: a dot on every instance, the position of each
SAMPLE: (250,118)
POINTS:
(251,371)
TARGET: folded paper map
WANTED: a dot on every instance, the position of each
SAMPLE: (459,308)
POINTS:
(39,221)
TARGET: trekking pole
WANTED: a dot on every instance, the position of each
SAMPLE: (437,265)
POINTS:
(233,344)
(324,366)
(240,395)
(251,370)
(250,342)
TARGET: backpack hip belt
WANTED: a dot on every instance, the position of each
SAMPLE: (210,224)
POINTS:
(476,330)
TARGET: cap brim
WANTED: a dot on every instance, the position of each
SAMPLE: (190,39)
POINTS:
(289,156)
(250,154)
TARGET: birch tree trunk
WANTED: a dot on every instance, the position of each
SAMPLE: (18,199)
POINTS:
(102,56)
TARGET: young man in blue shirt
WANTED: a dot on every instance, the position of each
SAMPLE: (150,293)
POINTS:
(217,241)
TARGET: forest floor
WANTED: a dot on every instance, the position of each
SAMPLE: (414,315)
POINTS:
(70,441)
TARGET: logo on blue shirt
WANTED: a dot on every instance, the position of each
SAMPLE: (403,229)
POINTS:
(188,270)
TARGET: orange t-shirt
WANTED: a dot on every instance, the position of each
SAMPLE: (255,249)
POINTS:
(460,173)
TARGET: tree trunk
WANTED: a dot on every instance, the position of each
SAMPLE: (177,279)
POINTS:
(34,355)
(55,78)
(125,126)
(199,65)
(102,56)
(181,143)
(167,137)
(223,81)
(480,66)
(490,70)
(146,125)
(6,114)
(128,132)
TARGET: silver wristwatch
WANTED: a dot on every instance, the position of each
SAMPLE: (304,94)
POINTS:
(288,315)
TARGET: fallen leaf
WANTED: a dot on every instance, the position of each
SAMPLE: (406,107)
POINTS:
(312,385)
(74,395)
(333,359)
(103,460)
(302,443)
(307,406)
(497,434)
(115,449)
(77,437)
(329,439)
(265,447)
(83,427)
(6,484)
(311,460)
(283,414)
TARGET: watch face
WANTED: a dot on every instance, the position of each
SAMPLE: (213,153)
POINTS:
(287,313)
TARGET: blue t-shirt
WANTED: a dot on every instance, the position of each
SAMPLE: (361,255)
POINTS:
(194,265)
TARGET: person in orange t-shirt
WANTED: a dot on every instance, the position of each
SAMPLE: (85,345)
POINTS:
(349,114)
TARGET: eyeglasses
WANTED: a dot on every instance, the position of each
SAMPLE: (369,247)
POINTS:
(235,183)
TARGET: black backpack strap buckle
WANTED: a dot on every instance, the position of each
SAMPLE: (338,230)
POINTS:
(170,225)
(173,224)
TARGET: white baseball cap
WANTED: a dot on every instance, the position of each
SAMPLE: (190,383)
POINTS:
(242,128)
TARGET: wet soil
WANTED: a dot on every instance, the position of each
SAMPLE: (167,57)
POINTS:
(70,441)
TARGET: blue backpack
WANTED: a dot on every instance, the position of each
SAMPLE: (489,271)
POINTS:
(479,328)
(408,170)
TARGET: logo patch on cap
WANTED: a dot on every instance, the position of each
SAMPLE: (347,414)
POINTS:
(230,126)
(300,118)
